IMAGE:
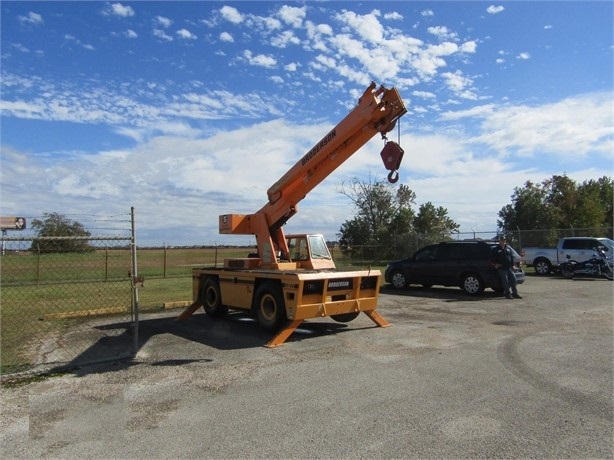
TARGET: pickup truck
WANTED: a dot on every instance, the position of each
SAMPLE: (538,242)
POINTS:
(579,248)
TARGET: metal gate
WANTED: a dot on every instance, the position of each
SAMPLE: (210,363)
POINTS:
(68,301)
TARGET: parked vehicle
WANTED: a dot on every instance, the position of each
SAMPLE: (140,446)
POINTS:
(465,264)
(579,248)
(597,266)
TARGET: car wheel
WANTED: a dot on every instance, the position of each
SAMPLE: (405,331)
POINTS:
(472,284)
(542,266)
(398,279)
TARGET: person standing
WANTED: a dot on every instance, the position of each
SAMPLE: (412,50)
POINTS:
(503,259)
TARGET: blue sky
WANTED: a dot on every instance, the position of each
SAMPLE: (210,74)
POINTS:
(188,110)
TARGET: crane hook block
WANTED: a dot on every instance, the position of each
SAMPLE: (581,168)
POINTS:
(392,154)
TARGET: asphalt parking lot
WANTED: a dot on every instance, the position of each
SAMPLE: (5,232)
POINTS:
(454,377)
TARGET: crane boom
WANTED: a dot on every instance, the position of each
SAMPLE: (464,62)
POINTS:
(377,111)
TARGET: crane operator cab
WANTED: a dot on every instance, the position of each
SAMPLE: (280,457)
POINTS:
(310,251)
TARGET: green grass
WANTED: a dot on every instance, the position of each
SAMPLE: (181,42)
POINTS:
(33,286)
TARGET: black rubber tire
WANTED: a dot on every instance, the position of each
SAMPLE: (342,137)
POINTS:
(472,284)
(345,317)
(567,271)
(212,299)
(269,307)
(542,266)
(398,280)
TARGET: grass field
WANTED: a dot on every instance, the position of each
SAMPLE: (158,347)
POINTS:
(39,292)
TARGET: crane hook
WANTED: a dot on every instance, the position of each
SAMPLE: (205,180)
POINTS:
(392,154)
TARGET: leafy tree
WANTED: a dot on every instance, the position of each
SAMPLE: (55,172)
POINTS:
(434,220)
(53,234)
(558,202)
(384,215)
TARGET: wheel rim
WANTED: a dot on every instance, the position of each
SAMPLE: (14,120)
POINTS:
(542,268)
(211,299)
(268,308)
(398,280)
(472,285)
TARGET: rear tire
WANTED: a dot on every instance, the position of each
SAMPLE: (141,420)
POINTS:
(269,308)
(212,299)
(567,271)
(542,266)
(472,284)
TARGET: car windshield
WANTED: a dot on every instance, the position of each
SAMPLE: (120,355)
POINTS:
(608,243)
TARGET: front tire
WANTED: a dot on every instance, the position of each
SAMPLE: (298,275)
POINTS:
(269,307)
(345,317)
(472,284)
(212,299)
(398,280)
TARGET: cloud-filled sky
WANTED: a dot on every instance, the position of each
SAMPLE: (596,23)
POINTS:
(188,110)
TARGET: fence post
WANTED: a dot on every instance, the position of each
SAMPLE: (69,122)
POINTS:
(135,289)
(38,264)
(106,264)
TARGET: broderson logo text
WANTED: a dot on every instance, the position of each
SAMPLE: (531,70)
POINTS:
(338,284)
(319,146)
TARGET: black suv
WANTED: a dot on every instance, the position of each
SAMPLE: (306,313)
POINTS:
(456,263)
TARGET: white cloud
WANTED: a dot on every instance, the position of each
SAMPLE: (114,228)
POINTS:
(523,56)
(31,18)
(492,9)
(284,39)
(442,32)
(131,34)
(158,33)
(366,26)
(163,21)
(573,127)
(394,16)
(117,9)
(231,14)
(226,37)
(259,60)
(185,34)
(292,15)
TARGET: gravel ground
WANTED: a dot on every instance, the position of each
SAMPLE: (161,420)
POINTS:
(453,377)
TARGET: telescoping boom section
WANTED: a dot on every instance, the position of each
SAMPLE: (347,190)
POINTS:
(377,111)
(292,278)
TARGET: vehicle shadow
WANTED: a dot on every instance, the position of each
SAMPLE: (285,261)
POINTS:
(117,349)
(449,294)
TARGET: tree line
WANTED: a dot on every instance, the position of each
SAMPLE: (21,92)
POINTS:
(385,215)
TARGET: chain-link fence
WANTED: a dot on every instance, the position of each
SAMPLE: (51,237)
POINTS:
(68,300)
(402,246)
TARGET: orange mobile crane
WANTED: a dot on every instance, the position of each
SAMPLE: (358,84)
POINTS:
(293,277)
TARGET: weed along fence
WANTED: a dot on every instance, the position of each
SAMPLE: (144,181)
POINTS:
(67,301)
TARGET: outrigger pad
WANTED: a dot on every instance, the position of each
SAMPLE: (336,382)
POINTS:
(287,331)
